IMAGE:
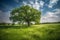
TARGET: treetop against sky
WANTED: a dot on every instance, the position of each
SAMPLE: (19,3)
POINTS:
(50,9)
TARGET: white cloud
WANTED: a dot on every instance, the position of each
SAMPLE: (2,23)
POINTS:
(41,3)
(24,3)
(52,3)
(31,2)
(51,16)
(37,5)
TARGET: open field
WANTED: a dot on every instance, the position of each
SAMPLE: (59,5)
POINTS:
(35,32)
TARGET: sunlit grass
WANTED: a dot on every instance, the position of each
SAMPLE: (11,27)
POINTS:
(35,32)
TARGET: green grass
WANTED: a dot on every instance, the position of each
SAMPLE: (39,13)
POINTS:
(35,32)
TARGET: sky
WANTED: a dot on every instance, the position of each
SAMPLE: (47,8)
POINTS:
(50,9)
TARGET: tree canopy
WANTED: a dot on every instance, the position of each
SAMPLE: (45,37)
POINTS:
(26,14)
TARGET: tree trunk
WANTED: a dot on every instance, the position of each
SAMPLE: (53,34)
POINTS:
(28,23)
(13,23)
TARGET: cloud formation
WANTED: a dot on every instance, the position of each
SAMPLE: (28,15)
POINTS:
(52,3)
(51,16)
(41,3)
(37,5)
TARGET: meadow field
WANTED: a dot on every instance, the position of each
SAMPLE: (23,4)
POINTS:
(34,32)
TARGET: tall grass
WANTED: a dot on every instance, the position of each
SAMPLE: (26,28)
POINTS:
(35,32)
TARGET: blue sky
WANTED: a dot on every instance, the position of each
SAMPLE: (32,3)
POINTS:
(50,9)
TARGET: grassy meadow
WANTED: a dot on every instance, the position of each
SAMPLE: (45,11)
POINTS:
(34,32)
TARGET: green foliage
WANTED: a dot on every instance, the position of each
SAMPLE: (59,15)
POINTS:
(26,14)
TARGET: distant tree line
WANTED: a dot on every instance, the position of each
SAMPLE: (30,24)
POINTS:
(50,22)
